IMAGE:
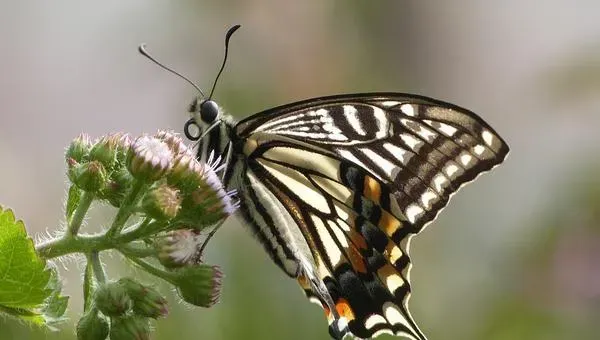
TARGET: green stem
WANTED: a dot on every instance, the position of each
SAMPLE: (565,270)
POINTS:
(97,267)
(84,205)
(137,249)
(169,277)
(77,244)
(89,243)
(145,229)
(126,209)
(88,285)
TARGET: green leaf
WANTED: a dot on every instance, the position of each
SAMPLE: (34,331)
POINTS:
(72,201)
(56,304)
(24,279)
(24,314)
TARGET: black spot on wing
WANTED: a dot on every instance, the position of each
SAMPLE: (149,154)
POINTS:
(375,237)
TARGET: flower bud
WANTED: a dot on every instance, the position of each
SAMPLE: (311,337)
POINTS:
(146,300)
(186,174)
(206,206)
(72,169)
(112,299)
(105,150)
(123,145)
(129,327)
(205,200)
(118,186)
(149,158)
(179,248)
(79,149)
(92,326)
(162,202)
(90,176)
(199,285)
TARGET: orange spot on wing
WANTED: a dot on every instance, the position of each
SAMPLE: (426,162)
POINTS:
(357,239)
(343,308)
(388,223)
(372,189)
(356,260)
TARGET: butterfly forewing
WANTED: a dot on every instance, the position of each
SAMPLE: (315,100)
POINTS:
(421,149)
(335,188)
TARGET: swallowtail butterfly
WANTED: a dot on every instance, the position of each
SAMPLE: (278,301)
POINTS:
(336,187)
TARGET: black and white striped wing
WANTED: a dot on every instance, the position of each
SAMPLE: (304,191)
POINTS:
(360,175)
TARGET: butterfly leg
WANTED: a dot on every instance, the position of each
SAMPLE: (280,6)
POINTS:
(226,159)
(210,235)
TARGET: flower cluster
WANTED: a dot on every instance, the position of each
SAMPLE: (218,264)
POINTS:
(165,198)
(179,187)
(128,305)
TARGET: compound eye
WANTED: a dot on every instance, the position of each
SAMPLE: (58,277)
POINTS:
(209,111)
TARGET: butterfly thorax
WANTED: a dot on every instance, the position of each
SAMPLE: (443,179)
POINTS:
(270,221)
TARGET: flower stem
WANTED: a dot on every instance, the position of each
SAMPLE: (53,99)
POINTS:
(88,285)
(76,244)
(84,205)
(145,229)
(169,277)
(97,267)
(95,243)
(137,249)
(126,209)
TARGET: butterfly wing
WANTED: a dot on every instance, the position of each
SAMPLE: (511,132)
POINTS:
(360,175)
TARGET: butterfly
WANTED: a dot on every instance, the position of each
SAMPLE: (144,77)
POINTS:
(336,187)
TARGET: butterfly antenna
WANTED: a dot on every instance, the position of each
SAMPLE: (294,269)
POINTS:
(144,52)
(227,37)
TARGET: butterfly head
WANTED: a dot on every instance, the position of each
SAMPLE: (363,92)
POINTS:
(204,112)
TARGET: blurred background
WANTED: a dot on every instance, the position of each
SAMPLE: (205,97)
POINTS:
(515,256)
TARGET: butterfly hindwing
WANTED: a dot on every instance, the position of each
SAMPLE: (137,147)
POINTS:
(364,271)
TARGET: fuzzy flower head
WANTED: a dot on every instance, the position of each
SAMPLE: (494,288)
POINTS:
(149,158)
(225,201)
(206,201)
(186,174)
(179,248)
(174,142)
